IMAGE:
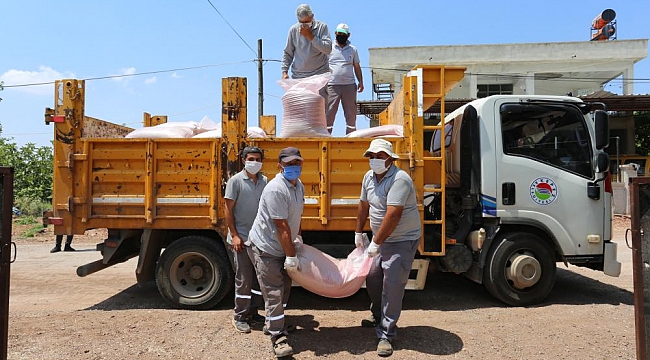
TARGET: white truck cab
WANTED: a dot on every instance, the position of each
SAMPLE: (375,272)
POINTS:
(530,173)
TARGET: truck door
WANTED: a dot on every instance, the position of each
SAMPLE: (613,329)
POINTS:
(544,160)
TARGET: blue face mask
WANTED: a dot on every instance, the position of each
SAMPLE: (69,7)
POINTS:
(292,172)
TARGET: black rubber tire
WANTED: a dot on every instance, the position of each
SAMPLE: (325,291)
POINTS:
(494,274)
(194,272)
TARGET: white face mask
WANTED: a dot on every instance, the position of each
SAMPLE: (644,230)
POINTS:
(378,166)
(253,167)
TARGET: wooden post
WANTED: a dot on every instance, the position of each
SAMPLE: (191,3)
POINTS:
(640,201)
(6,203)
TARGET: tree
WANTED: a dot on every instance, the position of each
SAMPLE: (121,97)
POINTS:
(32,170)
(642,132)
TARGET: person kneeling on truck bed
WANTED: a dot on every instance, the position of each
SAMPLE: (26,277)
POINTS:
(276,226)
(243,193)
(388,196)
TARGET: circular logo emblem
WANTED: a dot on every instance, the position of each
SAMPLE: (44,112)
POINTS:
(543,191)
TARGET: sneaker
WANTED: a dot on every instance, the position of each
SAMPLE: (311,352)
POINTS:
(68,248)
(55,249)
(281,347)
(257,318)
(289,328)
(384,348)
(369,322)
(241,326)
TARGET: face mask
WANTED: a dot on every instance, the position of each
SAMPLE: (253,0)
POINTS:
(342,39)
(307,25)
(292,172)
(378,166)
(253,167)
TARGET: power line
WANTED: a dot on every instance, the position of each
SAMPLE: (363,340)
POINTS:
(134,74)
(233,29)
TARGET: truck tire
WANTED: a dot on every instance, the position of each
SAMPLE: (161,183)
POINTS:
(194,273)
(520,269)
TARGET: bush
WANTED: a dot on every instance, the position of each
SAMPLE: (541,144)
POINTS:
(31,206)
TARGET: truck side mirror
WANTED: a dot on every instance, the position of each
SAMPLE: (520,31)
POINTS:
(601,120)
(602,162)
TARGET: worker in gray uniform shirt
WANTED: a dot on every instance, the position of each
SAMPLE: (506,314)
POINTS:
(276,227)
(243,193)
(344,62)
(388,197)
(307,49)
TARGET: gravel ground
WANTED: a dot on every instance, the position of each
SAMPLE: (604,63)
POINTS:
(54,314)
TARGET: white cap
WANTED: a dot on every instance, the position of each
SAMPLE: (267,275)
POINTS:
(381,145)
(342,28)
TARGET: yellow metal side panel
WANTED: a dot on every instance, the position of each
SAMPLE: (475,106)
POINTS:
(183,178)
(117,175)
(330,204)
(267,123)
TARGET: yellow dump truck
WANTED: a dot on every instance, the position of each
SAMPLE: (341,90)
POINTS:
(155,194)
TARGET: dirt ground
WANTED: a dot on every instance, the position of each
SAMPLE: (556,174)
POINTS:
(53,314)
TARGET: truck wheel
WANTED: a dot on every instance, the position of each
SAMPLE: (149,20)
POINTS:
(194,272)
(520,269)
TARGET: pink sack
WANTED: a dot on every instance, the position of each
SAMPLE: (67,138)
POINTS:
(328,276)
(383,131)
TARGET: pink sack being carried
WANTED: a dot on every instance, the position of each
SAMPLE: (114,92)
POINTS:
(328,276)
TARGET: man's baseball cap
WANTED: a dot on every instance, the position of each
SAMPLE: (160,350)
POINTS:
(289,154)
(342,28)
(381,145)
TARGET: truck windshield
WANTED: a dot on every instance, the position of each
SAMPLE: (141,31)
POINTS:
(555,134)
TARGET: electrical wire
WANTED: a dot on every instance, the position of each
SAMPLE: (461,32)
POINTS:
(233,29)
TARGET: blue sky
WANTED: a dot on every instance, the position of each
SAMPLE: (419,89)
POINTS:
(46,40)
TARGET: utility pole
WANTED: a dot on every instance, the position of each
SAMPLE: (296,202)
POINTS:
(260,84)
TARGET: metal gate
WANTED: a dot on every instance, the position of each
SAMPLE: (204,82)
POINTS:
(6,205)
(640,211)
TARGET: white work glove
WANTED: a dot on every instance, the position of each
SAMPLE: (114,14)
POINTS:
(298,239)
(373,249)
(291,263)
(361,240)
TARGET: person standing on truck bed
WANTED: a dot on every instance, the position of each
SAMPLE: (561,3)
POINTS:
(276,226)
(344,61)
(307,49)
(243,193)
(388,197)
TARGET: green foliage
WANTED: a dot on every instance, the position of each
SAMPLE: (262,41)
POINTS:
(32,231)
(32,173)
(642,132)
(31,206)
(26,220)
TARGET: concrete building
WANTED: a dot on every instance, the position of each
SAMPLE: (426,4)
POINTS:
(580,68)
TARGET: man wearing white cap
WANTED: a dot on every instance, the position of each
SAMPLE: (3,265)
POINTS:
(388,197)
(344,62)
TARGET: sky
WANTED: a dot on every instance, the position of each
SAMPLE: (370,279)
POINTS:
(178,51)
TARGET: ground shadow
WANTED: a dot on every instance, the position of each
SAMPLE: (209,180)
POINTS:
(443,291)
(329,341)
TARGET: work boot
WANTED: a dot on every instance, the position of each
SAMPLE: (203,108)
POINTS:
(369,322)
(241,326)
(281,347)
(56,249)
(257,318)
(67,247)
(384,348)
